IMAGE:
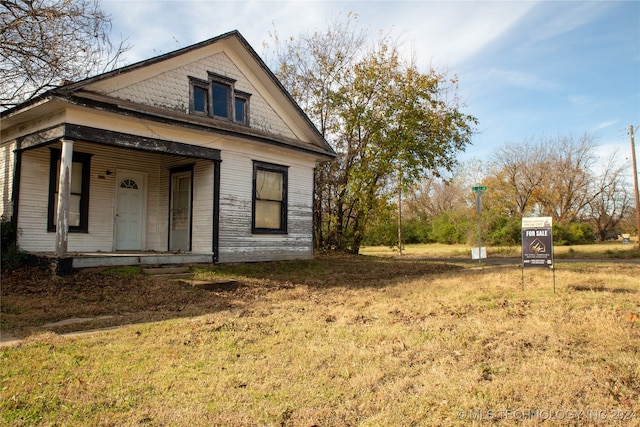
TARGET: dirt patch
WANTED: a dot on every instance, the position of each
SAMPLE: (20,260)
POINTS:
(33,300)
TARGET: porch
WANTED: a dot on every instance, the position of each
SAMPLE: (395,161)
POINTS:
(79,260)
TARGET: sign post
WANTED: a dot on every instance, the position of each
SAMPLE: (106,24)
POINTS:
(479,190)
(537,245)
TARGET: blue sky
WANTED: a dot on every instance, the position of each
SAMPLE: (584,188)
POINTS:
(527,69)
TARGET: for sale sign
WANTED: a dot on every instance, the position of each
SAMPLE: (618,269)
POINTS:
(537,242)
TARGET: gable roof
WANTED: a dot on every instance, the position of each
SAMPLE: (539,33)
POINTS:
(78,93)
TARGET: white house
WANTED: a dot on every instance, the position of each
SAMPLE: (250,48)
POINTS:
(199,154)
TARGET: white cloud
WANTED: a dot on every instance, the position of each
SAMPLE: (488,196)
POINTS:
(442,33)
(604,125)
(516,78)
(445,33)
(564,17)
(580,100)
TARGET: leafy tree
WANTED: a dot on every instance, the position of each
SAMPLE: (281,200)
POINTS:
(313,67)
(444,196)
(389,123)
(44,42)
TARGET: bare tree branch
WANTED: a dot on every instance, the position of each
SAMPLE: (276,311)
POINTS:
(45,42)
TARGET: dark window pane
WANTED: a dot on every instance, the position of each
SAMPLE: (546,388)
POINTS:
(240,110)
(200,99)
(220,93)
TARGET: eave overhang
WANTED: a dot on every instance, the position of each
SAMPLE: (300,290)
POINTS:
(119,106)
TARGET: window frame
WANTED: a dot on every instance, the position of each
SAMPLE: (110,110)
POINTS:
(284,171)
(54,176)
(232,97)
(228,83)
(200,84)
(244,97)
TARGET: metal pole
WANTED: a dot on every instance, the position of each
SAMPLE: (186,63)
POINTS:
(400,219)
(478,209)
(635,181)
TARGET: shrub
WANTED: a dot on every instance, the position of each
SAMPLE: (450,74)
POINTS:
(450,227)
(12,256)
(505,231)
(573,233)
(416,230)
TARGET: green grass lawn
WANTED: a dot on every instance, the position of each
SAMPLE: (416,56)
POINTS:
(335,341)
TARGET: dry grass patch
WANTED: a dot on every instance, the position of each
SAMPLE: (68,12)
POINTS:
(606,250)
(348,341)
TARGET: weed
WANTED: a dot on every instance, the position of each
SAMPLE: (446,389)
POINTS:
(12,256)
(124,271)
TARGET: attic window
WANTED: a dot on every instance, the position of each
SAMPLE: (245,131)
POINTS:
(200,99)
(218,98)
(241,107)
(221,98)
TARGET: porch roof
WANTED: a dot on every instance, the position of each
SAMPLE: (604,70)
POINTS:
(116,139)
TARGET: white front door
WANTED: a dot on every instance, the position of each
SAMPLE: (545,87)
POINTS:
(129,210)
(180,214)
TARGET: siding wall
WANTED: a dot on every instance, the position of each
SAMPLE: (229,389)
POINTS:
(236,243)
(170,90)
(34,193)
(202,231)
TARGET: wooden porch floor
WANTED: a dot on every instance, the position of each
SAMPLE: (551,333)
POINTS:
(115,259)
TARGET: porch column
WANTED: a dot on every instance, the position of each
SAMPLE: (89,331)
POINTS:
(64,193)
